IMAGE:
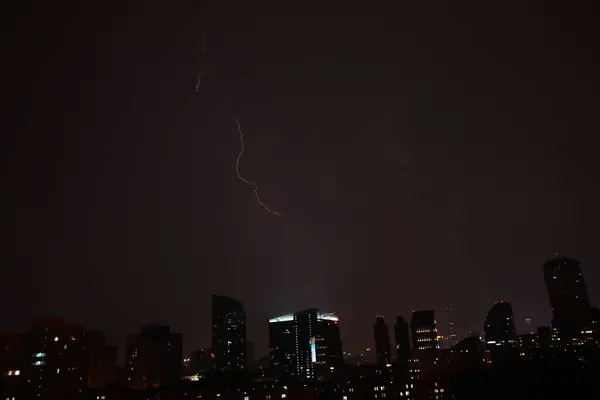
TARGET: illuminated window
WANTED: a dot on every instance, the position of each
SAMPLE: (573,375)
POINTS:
(283,395)
(246,398)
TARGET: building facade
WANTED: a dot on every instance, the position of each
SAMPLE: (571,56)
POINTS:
(424,330)
(499,328)
(153,358)
(305,345)
(567,293)
(402,338)
(382,341)
(228,334)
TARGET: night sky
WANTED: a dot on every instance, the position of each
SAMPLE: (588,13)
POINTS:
(418,152)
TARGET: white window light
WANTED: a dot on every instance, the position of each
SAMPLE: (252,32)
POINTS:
(283,395)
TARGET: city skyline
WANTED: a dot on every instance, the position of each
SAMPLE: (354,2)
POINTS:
(417,153)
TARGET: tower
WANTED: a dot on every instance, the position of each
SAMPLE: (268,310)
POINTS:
(382,341)
(567,293)
(228,334)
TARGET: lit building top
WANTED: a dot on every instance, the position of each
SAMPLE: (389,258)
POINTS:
(332,316)
(283,318)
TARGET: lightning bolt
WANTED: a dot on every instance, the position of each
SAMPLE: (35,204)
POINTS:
(241,132)
(241,177)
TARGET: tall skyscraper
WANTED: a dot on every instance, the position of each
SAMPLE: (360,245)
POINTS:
(382,341)
(451,339)
(424,330)
(567,293)
(402,337)
(228,334)
(153,358)
(305,344)
(499,328)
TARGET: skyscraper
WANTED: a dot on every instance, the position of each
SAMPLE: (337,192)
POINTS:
(382,341)
(305,344)
(567,293)
(153,358)
(499,328)
(424,330)
(452,340)
(402,338)
(228,334)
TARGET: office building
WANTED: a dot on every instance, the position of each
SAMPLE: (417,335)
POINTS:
(424,330)
(568,295)
(153,358)
(402,337)
(305,345)
(228,334)
(499,328)
(382,341)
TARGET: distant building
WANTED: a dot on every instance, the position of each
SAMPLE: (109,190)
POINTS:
(57,359)
(499,329)
(382,341)
(451,339)
(568,294)
(102,367)
(402,338)
(48,362)
(305,345)
(201,361)
(13,366)
(153,358)
(424,330)
(228,334)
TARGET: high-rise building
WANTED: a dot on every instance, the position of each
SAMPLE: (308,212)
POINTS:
(382,341)
(102,360)
(451,338)
(567,293)
(228,334)
(424,330)
(402,337)
(153,358)
(56,360)
(305,345)
(499,329)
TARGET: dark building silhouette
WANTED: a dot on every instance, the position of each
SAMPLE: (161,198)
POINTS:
(567,293)
(499,329)
(305,345)
(153,358)
(48,362)
(402,338)
(55,360)
(102,360)
(424,330)
(451,339)
(13,365)
(228,334)
(382,341)
(201,361)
